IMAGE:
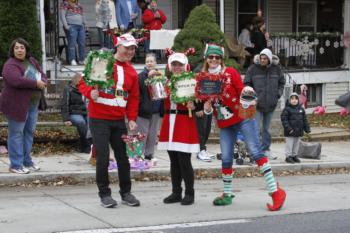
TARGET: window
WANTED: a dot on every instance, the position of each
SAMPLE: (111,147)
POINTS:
(306,16)
(246,11)
(314,95)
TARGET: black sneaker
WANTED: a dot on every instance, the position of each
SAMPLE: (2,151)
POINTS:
(172,198)
(149,157)
(108,202)
(187,200)
(130,200)
(290,159)
(296,159)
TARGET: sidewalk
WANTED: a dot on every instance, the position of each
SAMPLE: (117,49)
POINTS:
(76,166)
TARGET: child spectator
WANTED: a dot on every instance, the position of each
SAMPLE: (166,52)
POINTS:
(294,122)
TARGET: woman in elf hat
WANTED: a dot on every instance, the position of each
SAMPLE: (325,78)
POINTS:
(229,122)
(178,135)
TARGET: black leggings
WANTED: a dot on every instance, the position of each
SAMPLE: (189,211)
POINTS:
(181,169)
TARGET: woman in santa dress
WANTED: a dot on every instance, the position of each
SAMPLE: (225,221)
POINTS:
(178,135)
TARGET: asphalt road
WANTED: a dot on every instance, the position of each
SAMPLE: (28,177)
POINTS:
(314,204)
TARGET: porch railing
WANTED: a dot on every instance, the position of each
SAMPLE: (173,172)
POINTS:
(309,50)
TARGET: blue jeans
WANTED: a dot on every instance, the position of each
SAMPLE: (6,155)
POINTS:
(81,123)
(228,137)
(264,128)
(20,139)
(76,34)
(105,39)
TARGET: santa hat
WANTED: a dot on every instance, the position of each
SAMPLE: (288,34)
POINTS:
(125,40)
(179,57)
(211,49)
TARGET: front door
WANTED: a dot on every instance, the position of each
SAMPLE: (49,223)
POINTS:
(247,10)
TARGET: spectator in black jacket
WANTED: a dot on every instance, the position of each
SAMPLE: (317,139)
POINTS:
(258,38)
(294,123)
(267,79)
(74,112)
(150,110)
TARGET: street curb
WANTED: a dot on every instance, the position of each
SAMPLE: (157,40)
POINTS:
(81,177)
(316,138)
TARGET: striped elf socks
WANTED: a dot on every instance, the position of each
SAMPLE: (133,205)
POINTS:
(227,196)
(278,195)
(227,176)
(265,169)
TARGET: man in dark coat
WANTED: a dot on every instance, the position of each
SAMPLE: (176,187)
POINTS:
(267,79)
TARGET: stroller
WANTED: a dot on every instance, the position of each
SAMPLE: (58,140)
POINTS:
(240,152)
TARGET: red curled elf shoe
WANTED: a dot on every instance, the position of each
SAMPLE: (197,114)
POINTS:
(278,199)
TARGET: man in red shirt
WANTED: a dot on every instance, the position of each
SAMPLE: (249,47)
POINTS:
(108,108)
(153,19)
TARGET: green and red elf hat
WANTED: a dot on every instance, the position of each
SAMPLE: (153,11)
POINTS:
(211,49)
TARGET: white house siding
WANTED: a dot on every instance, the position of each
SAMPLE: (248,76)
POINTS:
(334,84)
(280,15)
(331,92)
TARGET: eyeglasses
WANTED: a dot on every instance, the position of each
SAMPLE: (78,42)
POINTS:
(212,57)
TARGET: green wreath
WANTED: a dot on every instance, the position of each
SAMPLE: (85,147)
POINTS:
(156,79)
(99,54)
(173,89)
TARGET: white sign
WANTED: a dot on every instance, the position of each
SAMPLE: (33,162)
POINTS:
(162,39)
(186,88)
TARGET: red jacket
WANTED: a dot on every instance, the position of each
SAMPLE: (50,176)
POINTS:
(129,107)
(151,22)
(229,105)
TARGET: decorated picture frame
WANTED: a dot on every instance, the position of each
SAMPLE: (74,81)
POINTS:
(99,68)
(183,87)
(157,87)
(209,86)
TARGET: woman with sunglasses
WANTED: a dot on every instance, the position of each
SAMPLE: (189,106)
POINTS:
(229,122)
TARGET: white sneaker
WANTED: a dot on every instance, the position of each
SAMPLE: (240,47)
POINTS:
(22,170)
(202,155)
(34,167)
(73,63)
(210,155)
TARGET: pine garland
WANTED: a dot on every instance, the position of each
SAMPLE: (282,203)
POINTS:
(173,89)
(99,54)
(156,79)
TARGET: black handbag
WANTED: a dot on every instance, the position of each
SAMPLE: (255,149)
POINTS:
(343,100)
(42,102)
